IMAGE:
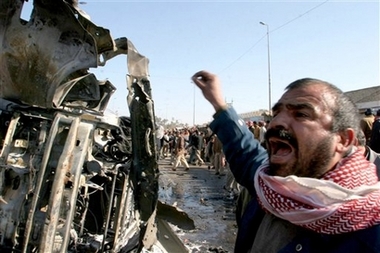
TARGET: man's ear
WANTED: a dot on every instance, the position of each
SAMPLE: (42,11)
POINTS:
(346,140)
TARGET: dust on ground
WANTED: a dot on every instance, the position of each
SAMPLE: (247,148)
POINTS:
(200,193)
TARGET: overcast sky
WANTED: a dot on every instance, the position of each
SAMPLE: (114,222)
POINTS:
(336,41)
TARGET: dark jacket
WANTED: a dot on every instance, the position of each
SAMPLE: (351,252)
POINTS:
(245,155)
(193,140)
(375,137)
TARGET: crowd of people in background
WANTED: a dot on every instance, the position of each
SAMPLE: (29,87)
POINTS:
(199,146)
(195,146)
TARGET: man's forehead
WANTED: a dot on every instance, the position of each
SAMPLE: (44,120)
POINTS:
(312,95)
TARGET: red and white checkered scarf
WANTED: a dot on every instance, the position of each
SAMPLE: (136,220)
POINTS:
(346,199)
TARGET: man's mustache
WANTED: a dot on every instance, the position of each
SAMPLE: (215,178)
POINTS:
(281,134)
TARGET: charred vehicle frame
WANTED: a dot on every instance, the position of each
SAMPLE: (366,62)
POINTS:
(71,178)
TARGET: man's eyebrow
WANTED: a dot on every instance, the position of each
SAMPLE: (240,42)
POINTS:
(277,106)
(293,106)
(300,106)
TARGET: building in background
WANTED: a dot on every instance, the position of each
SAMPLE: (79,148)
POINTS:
(257,116)
(363,98)
(366,98)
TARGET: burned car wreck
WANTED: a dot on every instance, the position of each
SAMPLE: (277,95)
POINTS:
(72,179)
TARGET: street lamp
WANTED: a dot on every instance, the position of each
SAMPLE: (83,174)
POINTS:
(269,83)
(194,106)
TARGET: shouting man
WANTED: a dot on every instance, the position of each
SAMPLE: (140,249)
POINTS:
(313,190)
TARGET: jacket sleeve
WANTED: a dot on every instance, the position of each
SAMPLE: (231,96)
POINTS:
(243,153)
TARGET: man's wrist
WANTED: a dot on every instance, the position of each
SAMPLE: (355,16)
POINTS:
(220,109)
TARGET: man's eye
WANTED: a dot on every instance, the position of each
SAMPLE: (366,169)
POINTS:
(301,115)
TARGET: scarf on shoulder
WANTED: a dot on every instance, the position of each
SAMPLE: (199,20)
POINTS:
(346,199)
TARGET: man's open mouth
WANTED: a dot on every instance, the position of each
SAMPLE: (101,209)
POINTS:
(279,147)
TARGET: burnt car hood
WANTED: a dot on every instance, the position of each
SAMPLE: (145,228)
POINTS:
(44,60)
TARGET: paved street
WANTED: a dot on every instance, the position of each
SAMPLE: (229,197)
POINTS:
(199,193)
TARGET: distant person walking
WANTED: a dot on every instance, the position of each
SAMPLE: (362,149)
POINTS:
(210,152)
(262,132)
(218,157)
(179,152)
(256,130)
(366,124)
(196,145)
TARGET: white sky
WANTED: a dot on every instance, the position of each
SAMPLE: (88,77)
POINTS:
(336,41)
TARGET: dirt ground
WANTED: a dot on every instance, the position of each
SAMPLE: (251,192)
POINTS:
(199,193)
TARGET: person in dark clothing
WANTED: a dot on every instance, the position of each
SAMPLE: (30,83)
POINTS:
(314,191)
(195,145)
(209,150)
(375,136)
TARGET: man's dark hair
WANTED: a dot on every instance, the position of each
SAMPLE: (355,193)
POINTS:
(345,113)
(368,112)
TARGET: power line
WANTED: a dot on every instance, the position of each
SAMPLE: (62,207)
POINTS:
(300,16)
(271,31)
(246,52)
